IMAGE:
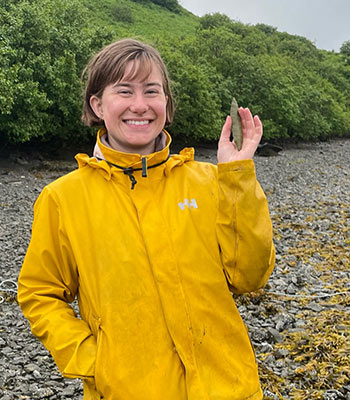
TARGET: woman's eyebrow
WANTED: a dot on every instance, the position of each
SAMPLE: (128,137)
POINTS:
(125,84)
(121,84)
(153,84)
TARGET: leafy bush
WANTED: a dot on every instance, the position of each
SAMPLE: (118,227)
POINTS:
(122,14)
(43,50)
(215,20)
(297,90)
(198,107)
(345,48)
(171,5)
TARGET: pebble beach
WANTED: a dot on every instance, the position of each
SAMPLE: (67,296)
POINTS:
(299,323)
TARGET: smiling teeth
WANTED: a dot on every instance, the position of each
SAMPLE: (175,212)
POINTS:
(132,122)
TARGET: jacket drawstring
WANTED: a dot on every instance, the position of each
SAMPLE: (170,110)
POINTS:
(130,170)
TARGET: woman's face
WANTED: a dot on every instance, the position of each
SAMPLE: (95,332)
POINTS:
(133,110)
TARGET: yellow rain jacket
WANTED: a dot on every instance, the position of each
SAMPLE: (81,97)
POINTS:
(151,268)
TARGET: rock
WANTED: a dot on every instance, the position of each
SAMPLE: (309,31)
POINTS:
(314,307)
(281,353)
(268,150)
(275,335)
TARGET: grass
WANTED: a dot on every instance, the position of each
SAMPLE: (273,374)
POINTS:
(126,18)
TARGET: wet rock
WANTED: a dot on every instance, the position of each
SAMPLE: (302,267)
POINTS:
(275,336)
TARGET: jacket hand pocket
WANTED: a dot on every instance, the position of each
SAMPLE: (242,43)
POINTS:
(99,363)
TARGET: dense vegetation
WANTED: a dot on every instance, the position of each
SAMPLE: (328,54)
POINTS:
(298,90)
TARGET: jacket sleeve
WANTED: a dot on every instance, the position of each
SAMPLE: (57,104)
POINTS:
(47,283)
(244,228)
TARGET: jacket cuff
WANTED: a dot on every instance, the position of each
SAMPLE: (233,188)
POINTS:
(241,165)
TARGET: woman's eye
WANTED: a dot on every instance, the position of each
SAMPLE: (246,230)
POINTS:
(152,91)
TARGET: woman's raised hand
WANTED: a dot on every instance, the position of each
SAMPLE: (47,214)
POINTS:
(252,131)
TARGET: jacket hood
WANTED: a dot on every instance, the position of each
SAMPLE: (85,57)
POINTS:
(105,156)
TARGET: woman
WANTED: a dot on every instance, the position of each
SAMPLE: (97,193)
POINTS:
(150,244)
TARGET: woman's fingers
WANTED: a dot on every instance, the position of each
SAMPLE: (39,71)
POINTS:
(226,130)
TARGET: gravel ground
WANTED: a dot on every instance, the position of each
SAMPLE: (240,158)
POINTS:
(299,324)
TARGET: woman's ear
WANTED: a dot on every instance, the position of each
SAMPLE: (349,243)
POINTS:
(96,105)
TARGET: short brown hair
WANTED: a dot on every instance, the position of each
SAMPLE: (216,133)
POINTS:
(109,65)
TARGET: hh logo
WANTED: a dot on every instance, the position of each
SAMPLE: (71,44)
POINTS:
(188,204)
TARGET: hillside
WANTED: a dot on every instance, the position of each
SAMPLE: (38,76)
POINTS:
(143,19)
(299,91)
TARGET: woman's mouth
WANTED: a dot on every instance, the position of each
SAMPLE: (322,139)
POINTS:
(137,122)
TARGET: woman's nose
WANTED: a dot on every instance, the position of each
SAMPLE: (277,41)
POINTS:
(139,104)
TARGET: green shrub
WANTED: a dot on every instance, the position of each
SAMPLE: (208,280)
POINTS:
(171,5)
(44,47)
(122,14)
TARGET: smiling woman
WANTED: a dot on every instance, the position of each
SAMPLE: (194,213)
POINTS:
(133,110)
(150,262)
(123,60)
